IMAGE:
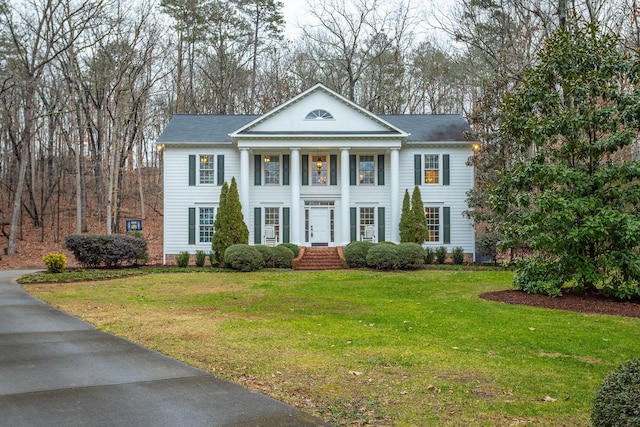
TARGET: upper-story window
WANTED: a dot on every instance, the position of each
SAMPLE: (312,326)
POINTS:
(272,169)
(367,170)
(207,169)
(319,115)
(431,169)
(319,170)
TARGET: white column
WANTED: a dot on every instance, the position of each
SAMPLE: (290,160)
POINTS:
(294,181)
(395,194)
(243,185)
(344,196)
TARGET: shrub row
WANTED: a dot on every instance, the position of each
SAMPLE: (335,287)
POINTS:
(251,258)
(92,250)
(389,256)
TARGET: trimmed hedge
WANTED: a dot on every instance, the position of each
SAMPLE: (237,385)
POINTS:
(243,257)
(617,401)
(294,248)
(410,256)
(355,253)
(441,254)
(383,257)
(282,257)
(91,250)
(266,253)
(55,262)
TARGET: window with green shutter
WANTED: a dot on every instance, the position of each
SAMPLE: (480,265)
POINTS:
(446,225)
(257,226)
(192,169)
(192,226)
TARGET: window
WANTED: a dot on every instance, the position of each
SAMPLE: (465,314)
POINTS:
(367,217)
(433,224)
(431,168)
(367,170)
(272,217)
(206,218)
(319,170)
(207,168)
(319,115)
(271,170)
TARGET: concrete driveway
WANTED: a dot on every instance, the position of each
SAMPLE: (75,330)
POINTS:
(56,370)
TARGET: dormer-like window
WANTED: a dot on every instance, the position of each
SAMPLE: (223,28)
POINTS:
(319,115)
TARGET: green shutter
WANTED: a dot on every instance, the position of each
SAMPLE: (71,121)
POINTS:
(381,223)
(285,169)
(445,169)
(286,226)
(257,169)
(380,169)
(417,169)
(220,169)
(192,226)
(333,169)
(352,169)
(305,169)
(354,224)
(257,226)
(446,225)
(192,169)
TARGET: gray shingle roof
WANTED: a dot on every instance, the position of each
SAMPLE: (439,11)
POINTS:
(205,128)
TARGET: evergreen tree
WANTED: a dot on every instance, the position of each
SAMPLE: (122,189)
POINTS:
(229,225)
(419,227)
(405,219)
(219,225)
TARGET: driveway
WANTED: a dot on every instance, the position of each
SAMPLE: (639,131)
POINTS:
(56,370)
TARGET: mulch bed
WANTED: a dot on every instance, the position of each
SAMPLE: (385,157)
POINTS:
(589,303)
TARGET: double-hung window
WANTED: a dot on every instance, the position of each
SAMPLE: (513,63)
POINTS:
(205,224)
(431,168)
(367,218)
(433,224)
(207,169)
(272,218)
(367,170)
(272,170)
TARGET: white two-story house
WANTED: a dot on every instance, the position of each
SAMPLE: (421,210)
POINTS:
(318,170)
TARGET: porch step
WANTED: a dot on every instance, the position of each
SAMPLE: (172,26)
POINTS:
(319,258)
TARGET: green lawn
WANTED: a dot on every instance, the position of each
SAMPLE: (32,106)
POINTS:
(369,348)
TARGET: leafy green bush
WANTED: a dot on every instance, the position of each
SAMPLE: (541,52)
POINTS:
(458,255)
(617,401)
(55,262)
(107,250)
(429,255)
(441,254)
(282,257)
(182,259)
(294,248)
(200,258)
(410,256)
(487,244)
(266,253)
(243,257)
(355,253)
(383,257)
(212,258)
(539,276)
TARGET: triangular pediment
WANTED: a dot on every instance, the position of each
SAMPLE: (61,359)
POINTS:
(319,111)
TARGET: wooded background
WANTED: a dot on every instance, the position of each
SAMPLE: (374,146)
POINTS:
(87,86)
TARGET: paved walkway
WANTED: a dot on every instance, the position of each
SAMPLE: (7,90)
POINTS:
(56,370)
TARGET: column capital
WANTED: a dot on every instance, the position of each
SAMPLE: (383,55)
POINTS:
(345,148)
(294,148)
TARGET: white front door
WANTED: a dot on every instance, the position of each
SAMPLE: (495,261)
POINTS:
(319,226)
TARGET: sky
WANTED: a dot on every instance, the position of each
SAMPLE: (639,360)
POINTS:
(295,13)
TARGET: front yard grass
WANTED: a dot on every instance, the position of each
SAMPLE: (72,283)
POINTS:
(359,347)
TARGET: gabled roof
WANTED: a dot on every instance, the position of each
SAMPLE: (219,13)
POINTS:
(207,129)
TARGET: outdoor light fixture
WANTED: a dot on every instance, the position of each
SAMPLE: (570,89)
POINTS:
(319,164)
(476,147)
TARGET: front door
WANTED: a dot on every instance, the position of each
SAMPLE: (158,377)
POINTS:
(319,226)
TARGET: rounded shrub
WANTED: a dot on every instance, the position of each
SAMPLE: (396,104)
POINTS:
(410,256)
(243,257)
(182,259)
(55,262)
(383,257)
(617,401)
(458,255)
(429,255)
(441,254)
(266,253)
(282,257)
(294,248)
(355,253)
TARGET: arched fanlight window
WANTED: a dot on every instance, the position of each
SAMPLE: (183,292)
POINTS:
(319,115)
